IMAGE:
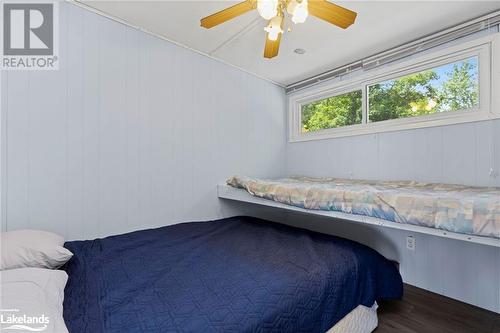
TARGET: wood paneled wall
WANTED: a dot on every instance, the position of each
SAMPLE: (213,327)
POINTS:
(461,154)
(135,132)
(464,154)
(131,132)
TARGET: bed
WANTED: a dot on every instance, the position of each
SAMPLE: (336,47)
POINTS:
(459,209)
(239,274)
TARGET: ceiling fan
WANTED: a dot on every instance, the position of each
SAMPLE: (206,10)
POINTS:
(275,10)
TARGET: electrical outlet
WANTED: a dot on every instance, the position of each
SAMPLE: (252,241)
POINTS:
(411,243)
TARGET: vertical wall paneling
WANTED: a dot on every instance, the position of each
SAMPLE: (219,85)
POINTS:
(459,148)
(16,150)
(3,151)
(132,111)
(131,132)
(465,153)
(112,126)
(91,125)
(75,120)
(134,132)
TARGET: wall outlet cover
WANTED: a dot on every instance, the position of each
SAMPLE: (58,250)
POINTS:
(411,243)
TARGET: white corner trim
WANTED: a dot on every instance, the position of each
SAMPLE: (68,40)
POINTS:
(96,11)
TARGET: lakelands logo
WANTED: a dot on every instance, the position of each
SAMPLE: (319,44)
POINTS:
(29,35)
(12,319)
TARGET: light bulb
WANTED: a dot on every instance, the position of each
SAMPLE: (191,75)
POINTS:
(300,14)
(273,35)
(274,28)
(267,8)
(298,10)
(291,6)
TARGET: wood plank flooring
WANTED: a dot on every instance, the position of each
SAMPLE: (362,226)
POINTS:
(421,311)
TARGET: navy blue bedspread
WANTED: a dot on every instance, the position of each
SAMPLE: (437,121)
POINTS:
(238,274)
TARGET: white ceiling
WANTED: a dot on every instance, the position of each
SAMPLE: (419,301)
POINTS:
(380,25)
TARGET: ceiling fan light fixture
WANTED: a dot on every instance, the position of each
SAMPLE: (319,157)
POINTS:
(274,12)
(298,10)
(267,8)
(274,28)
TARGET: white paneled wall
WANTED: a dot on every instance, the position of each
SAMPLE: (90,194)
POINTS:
(131,132)
(135,132)
(464,154)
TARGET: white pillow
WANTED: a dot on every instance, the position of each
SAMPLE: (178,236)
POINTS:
(32,299)
(32,248)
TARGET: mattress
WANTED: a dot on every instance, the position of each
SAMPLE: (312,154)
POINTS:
(456,208)
(239,274)
(360,320)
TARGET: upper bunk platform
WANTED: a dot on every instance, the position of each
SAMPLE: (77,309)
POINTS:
(228,192)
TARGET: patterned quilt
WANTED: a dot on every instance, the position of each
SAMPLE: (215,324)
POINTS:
(457,208)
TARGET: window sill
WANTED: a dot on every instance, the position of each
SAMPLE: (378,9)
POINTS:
(396,125)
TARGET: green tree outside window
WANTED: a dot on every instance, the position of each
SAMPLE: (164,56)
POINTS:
(451,87)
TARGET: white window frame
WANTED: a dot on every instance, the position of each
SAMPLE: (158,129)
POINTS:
(487,49)
(329,94)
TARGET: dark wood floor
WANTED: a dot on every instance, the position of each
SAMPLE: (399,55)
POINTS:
(421,311)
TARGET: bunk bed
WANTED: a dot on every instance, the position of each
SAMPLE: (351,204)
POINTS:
(471,214)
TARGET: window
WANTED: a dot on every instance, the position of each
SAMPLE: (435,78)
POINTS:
(332,112)
(449,86)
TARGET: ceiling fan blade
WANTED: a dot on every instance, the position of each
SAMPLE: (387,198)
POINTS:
(272,47)
(227,14)
(332,13)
